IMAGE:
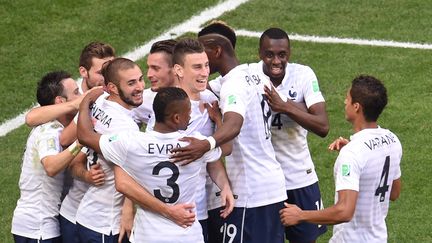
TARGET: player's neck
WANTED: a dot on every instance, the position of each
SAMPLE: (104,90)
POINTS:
(84,86)
(163,128)
(363,124)
(229,64)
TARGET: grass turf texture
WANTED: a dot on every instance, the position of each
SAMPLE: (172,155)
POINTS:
(405,72)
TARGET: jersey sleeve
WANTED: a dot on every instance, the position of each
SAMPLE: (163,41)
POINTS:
(233,98)
(312,93)
(347,171)
(212,155)
(49,143)
(114,147)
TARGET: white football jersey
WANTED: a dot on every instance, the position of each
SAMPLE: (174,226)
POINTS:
(256,177)
(369,164)
(199,122)
(289,138)
(35,215)
(100,208)
(146,158)
(144,112)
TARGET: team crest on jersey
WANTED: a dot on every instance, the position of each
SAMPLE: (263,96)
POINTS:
(55,125)
(346,170)
(232,100)
(113,138)
(315,86)
(51,143)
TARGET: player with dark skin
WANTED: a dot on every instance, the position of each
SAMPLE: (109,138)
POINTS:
(222,59)
(275,54)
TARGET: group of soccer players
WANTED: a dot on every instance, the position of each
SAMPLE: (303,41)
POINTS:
(219,161)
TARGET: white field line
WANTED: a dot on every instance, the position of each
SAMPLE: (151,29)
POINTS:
(351,41)
(193,23)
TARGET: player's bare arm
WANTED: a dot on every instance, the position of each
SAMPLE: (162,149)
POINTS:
(94,176)
(85,133)
(44,114)
(396,189)
(127,219)
(181,214)
(54,164)
(68,134)
(313,119)
(216,116)
(232,123)
(217,173)
(338,143)
(341,212)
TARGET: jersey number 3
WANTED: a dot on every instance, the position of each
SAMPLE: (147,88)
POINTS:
(383,187)
(171,182)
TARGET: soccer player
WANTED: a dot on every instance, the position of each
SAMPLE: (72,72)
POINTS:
(256,177)
(367,171)
(160,74)
(90,64)
(191,66)
(304,110)
(146,158)
(35,217)
(100,210)
(91,59)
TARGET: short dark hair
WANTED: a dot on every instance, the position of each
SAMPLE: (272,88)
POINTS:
(164,99)
(111,68)
(51,86)
(371,94)
(186,46)
(164,46)
(95,50)
(274,33)
(221,28)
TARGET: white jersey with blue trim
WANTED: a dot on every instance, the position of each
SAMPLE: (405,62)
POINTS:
(256,177)
(289,138)
(100,208)
(146,158)
(37,209)
(368,164)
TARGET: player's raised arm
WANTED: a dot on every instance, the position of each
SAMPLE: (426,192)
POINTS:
(85,133)
(180,214)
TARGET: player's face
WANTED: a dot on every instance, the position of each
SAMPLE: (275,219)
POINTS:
(131,86)
(209,52)
(195,72)
(184,115)
(159,72)
(94,75)
(275,55)
(70,89)
(349,107)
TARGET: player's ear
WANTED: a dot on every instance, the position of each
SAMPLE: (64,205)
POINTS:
(112,88)
(178,70)
(83,72)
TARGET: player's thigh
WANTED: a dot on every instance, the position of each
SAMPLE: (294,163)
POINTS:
(68,230)
(306,198)
(22,239)
(263,224)
(225,230)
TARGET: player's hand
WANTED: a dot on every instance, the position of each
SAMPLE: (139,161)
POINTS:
(126,223)
(195,150)
(92,95)
(273,99)
(96,175)
(337,144)
(214,112)
(182,214)
(228,201)
(290,215)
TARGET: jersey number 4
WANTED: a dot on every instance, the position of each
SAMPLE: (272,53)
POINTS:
(171,182)
(383,187)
